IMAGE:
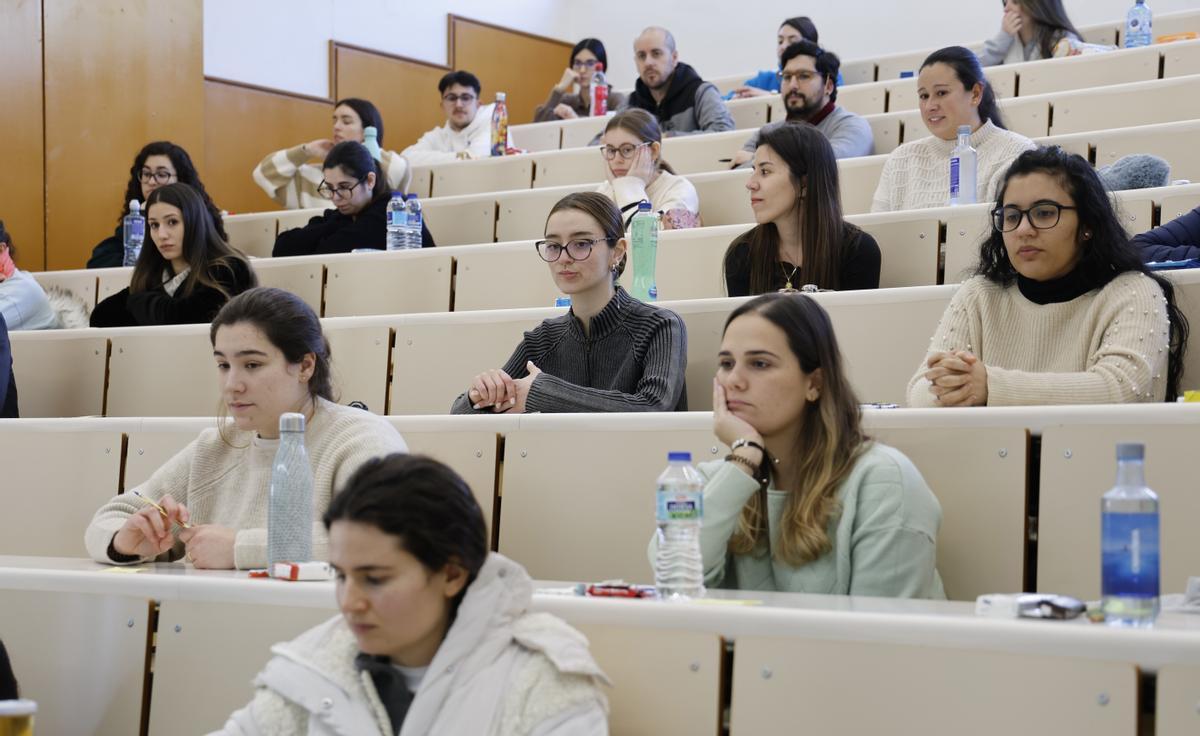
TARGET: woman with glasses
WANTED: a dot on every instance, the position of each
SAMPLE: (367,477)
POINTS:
(562,104)
(188,274)
(609,352)
(288,179)
(801,237)
(352,181)
(1061,309)
(157,164)
(632,149)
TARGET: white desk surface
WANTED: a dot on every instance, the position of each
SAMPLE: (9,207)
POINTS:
(1175,638)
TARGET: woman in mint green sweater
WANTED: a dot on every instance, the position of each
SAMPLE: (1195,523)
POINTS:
(806,503)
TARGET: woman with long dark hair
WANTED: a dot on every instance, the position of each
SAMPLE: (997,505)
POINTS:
(1030,30)
(800,237)
(563,104)
(271,357)
(355,184)
(185,274)
(806,502)
(609,352)
(288,178)
(156,165)
(1061,309)
(953,92)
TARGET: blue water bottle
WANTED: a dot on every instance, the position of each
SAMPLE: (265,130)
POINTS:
(1129,541)
(1138,26)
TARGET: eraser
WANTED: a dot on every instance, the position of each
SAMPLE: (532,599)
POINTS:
(301,571)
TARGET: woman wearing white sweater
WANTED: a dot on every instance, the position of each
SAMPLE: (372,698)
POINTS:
(271,358)
(435,636)
(632,150)
(952,92)
(1061,309)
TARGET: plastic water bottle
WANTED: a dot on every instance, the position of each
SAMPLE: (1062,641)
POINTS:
(1129,544)
(644,231)
(371,142)
(500,126)
(290,513)
(963,165)
(133,232)
(1138,26)
(412,226)
(678,567)
(599,92)
(397,222)
(562,301)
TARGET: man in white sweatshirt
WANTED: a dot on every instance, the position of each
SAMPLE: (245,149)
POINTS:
(467,133)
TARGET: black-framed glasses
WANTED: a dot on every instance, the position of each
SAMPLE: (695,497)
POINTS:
(341,191)
(580,63)
(454,99)
(578,250)
(1042,216)
(162,176)
(802,77)
(625,151)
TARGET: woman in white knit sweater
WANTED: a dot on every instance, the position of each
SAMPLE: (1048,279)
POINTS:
(633,164)
(1061,309)
(435,635)
(271,358)
(952,92)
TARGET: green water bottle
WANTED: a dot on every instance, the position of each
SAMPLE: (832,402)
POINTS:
(644,232)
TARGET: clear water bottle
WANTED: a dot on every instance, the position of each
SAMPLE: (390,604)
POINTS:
(644,237)
(397,222)
(371,142)
(1129,544)
(500,126)
(1138,26)
(413,223)
(964,163)
(678,566)
(290,513)
(133,232)
(599,92)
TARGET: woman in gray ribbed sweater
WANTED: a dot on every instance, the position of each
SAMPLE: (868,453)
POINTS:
(610,352)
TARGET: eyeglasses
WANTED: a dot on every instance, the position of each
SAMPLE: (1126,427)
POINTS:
(1042,215)
(802,77)
(455,99)
(341,191)
(580,63)
(626,151)
(162,176)
(578,250)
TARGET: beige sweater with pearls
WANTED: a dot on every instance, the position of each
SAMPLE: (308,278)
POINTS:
(1107,346)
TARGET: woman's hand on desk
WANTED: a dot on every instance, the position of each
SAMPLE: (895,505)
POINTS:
(210,546)
(148,533)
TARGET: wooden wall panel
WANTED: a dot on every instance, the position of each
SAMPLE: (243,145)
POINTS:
(117,75)
(404,90)
(21,188)
(521,65)
(242,124)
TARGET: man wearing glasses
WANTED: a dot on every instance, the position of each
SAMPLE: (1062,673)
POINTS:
(467,133)
(808,84)
(672,91)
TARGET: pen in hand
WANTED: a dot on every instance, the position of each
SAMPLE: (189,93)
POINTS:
(161,510)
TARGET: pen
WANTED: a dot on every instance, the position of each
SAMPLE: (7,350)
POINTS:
(161,510)
(724,160)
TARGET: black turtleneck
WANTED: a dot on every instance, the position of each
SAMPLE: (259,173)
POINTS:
(1055,291)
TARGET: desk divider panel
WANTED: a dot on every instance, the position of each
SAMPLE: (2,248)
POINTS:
(304,277)
(361,284)
(60,373)
(1177,697)
(252,233)
(81,283)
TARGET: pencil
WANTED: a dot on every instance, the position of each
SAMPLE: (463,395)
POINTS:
(161,510)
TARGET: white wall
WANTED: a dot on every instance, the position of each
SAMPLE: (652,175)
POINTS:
(284,44)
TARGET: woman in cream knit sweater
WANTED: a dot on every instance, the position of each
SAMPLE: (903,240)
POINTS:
(1061,309)
(953,92)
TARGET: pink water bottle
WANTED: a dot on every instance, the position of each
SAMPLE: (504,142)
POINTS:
(599,92)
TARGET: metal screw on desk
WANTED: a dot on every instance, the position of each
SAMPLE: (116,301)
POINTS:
(178,628)
(694,666)
(766,673)
(524,453)
(141,451)
(1102,698)
(1067,454)
(713,449)
(1003,452)
(479,453)
(129,623)
(108,451)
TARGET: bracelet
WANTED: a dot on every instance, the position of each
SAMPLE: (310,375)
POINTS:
(743,442)
(746,462)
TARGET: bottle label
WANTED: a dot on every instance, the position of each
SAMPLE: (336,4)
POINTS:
(679,505)
(1129,555)
(955,173)
(135,229)
(397,218)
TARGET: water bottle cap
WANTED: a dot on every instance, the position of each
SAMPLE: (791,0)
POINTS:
(397,195)
(644,206)
(679,457)
(1130,451)
(964,130)
(411,197)
(291,422)
(134,206)
(370,132)
(500,97)
(599,66)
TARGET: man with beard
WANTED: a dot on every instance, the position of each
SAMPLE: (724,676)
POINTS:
(808,83)
(672,91)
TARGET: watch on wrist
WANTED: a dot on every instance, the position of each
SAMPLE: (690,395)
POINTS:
(743,442)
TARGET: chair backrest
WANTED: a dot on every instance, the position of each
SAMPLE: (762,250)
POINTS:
(695,154)
(1122,105)
(571,167)
(534,137)
(908,246)
(501,276)
(1166,24)
(252,233)
(1181,58)
(303,276)
(359,284)
(522,215)
(422,181)
(723,197)
(163,371)
(858,71)
(111,280)
(1187,298)
(362,353)
(1175,142)
(484,175)
(858,178)
(864,99)
(1177,205)
(752,112)
(1175,711)
(60,373)
(292,219)
(81,283)
(1088,72)
(462,220)
(580,132)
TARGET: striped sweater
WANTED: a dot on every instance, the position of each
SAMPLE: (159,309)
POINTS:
(632,359)
(291,182)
